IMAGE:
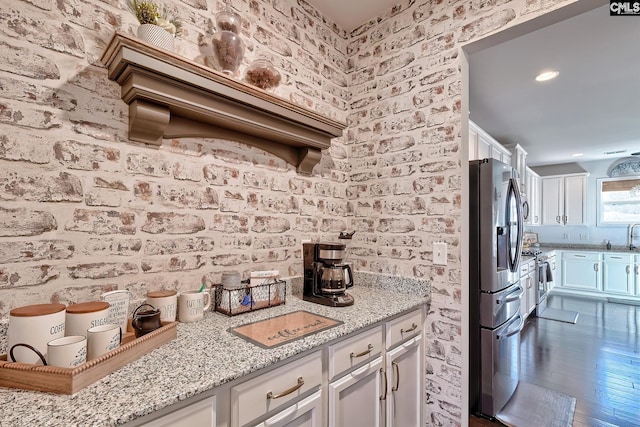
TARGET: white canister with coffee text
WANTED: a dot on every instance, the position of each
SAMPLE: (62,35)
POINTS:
(34,325)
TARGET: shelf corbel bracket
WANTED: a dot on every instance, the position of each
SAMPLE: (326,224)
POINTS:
(308,158)
(148,121)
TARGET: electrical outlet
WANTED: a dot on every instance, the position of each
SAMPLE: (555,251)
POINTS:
(439,253)
(565,236)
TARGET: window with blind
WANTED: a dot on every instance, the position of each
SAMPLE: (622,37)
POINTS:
(618,200)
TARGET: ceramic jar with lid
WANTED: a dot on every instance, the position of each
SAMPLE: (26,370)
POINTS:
(34,325)
(261,73)
(166,301)
(85,315)
(227,46)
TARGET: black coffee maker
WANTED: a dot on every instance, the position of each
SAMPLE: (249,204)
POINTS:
(326,279)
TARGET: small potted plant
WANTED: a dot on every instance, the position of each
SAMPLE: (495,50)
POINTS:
(157,27)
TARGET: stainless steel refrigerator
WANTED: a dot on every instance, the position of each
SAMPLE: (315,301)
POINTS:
(496,227)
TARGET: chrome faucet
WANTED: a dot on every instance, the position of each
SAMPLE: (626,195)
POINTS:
(631,227)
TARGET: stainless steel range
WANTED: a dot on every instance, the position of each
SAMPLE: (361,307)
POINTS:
(543,274)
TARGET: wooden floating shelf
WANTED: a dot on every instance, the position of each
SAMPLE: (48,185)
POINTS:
(172,97)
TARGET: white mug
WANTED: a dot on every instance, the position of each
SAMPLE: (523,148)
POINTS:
(166,301)
(35,326)
(102,339)
(192,304)
(67,352)
(85,315)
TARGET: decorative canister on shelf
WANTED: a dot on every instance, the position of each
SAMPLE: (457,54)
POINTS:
(227,46)
(159,28)
(157,36)
(261,73)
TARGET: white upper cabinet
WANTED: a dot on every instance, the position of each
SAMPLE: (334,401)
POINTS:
(533,197)
(519,163)
(564,199)
(484,146)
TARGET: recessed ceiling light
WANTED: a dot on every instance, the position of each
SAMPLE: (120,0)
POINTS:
(577,155)
(547,75)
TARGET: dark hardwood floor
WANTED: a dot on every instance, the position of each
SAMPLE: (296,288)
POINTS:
(596,360)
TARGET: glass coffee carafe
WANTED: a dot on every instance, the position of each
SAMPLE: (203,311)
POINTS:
(336,279)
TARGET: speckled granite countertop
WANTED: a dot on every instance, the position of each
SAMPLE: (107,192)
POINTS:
(203,356)
(545,247)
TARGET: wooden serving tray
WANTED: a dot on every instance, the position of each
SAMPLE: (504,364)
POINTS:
(69,381)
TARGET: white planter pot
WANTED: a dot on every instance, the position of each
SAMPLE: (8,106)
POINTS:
(156,36)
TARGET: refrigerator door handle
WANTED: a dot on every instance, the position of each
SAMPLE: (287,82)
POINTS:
(511,296)
(514,331)
(513,189)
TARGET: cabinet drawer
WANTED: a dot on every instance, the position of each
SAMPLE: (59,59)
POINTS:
(275,388)
(202,413)
(581,256)
(404,327)
(623,258)
(353,351)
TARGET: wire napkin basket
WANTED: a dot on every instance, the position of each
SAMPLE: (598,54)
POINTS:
(250,297)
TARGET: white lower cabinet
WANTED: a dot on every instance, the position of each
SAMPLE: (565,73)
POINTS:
(618,274)
(530,286)
(636,271)
(368,379)
(201,414)
(614,274)
(404,391)
(273,390)
(386,386)
(355,380)
(581,270)
(306,413)
(354,399)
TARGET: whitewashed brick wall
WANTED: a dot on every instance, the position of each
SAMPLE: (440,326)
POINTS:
(84,211)
(404,145)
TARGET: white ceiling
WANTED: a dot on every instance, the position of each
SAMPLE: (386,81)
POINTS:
(593,107)
(349,14)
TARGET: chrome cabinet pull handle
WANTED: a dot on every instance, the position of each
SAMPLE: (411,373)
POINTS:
(397,369)
(270,395)
(412,328)
(558,219)
(364,353)
(628,269)
(384,375)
